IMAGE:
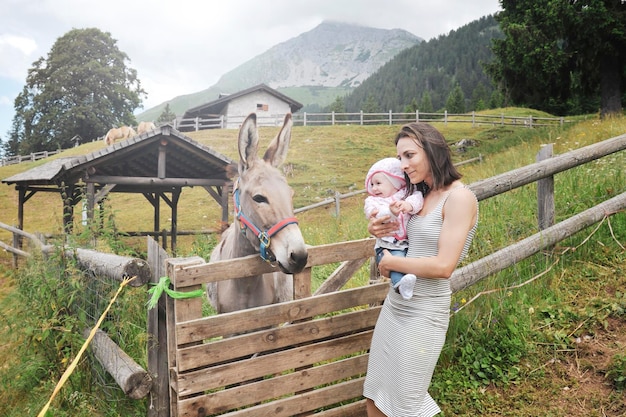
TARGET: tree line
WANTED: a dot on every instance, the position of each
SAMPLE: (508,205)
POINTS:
(565,58)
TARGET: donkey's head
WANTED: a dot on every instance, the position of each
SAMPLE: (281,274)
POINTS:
(263,199)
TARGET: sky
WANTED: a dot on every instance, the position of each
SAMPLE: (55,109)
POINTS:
(185,46)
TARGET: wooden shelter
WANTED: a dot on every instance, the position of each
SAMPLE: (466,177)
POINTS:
(156,164)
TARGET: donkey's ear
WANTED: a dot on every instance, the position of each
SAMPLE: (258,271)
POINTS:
(248,142)
(277,151)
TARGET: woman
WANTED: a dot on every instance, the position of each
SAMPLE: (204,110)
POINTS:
(410,334)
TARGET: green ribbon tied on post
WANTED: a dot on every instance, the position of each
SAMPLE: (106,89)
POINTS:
(164,285)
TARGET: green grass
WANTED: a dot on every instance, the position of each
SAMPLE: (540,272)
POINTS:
(510,351)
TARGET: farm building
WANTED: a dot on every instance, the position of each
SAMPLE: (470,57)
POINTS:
(229,110)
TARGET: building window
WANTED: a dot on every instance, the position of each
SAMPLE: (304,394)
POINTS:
(262,107)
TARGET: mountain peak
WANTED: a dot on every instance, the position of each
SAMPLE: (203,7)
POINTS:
(332,54)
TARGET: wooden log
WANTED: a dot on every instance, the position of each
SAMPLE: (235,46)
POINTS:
(11,249)
(132,378)
(504,258)
(20,232)
(530,173)
(113,266)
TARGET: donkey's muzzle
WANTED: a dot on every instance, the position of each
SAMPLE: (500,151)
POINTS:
(296,263)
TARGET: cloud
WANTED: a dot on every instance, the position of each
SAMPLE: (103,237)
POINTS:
(16,53)
(184,46)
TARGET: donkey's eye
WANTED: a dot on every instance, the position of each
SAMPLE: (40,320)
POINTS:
(259,198)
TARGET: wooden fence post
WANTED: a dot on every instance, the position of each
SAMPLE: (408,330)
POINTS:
(545,192)
(178,311)
(159,405)
(16,244)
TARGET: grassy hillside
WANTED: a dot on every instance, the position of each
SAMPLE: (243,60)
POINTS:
(544,338)
(324,160)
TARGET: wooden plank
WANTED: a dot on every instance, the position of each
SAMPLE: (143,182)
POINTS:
(171,317)
(355,409)
(273,363)
(253,264)
(302,284)
(189,308)
(297,404)
(341,251)
(276,314)
(277,338)
(253,393)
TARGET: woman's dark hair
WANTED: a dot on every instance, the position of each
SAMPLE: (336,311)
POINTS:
(437,151)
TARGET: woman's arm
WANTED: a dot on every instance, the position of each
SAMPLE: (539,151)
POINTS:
(459,216)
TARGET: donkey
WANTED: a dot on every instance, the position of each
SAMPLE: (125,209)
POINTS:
(265,224)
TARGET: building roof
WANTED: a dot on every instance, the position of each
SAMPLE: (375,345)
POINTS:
(216,107)
(184,162)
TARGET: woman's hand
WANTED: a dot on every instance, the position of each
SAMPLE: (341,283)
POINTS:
(383,269)
(382,226)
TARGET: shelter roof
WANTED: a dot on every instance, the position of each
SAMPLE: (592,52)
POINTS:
(158,160)
(217,106)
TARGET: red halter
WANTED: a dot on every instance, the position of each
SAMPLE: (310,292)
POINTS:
(263,236)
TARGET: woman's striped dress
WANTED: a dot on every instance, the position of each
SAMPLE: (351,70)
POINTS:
(410,334)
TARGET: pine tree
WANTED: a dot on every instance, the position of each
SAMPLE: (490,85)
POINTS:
(412,107)
(338,106)
(370,105)
(456,101)
(426,106)
(166,116)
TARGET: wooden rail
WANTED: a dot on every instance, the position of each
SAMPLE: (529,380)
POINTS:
(362,119)
(35,156)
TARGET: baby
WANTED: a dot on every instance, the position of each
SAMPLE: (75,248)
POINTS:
(386,189)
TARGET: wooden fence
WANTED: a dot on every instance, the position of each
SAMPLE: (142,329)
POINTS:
(11,160)
(362,119)
(313,356)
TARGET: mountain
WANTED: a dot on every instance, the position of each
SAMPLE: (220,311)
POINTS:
(435,67)
(313,68)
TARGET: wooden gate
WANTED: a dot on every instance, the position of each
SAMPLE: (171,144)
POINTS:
(302,357)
